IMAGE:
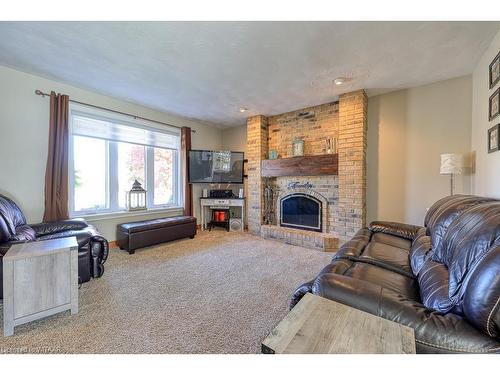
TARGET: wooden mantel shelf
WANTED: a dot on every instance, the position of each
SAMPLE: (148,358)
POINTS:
(316,165)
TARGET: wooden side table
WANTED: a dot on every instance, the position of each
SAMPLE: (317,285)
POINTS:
(319,325)
(39,279)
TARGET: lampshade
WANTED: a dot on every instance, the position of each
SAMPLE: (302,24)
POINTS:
(451,164)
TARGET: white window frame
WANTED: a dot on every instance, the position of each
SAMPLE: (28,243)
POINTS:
(112,199)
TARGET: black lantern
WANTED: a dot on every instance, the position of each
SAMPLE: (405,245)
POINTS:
(136,197)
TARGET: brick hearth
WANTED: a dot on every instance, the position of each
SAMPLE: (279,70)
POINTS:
(344,194)
(298,237)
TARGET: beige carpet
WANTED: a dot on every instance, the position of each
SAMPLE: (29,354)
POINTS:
(219,293)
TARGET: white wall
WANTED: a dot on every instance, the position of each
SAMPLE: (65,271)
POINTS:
(407,132)
(486,179)
(235,139)
(24,119)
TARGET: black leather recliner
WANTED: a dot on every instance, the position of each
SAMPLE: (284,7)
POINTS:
(92,247)
(442,280)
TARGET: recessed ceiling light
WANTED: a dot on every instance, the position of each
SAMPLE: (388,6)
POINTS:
(243,109)
(339,81)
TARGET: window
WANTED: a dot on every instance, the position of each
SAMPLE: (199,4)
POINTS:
(131,167)
(163,176)
(108,152)
(90,177)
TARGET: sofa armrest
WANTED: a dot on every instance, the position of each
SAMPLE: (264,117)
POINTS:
(402,230)
(99,250)
(43,229)
(434,332)
(355,246)
(300,292)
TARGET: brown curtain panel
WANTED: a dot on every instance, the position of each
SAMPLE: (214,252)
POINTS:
(56,172)
(185,147)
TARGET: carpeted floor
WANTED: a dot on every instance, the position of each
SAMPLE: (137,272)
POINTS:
(219,293)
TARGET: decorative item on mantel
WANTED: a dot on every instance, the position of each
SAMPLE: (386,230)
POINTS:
(331,145)
(451,164)
(270,196)
(273,155)
(298,147)
(136,197)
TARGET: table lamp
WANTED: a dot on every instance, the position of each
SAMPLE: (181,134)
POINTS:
(451,164)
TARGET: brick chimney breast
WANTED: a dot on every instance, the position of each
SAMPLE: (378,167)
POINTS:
(345,193)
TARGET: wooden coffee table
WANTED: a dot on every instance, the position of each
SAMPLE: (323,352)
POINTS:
(319,325)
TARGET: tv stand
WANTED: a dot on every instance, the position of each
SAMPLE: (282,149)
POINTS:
(208,204)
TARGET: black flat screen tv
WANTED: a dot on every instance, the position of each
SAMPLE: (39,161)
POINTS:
(215,167)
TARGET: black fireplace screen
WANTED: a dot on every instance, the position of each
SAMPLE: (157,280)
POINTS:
(301,211)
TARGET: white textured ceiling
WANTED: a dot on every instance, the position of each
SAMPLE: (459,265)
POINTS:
(208,70)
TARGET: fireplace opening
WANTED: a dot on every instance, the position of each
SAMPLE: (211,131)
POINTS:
(300,211)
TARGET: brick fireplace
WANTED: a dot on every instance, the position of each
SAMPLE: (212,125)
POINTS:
(341,193)
(301,210)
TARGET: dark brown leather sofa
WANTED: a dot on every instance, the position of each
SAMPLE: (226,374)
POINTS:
(442,279)
(92,247)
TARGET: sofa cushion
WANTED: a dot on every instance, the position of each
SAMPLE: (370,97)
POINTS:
(419,251)
(481,301)
(140,226)
(359,270)
(380,249)
(24,233)
(433,283)
(393,241)
(388,251)
(444,275)
(406,286)
(475,233)
(444,212)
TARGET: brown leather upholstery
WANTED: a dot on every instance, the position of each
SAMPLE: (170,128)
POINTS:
(132,236)
(406,231)
(443,280)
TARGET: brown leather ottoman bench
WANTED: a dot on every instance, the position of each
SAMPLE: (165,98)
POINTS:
(131,236)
